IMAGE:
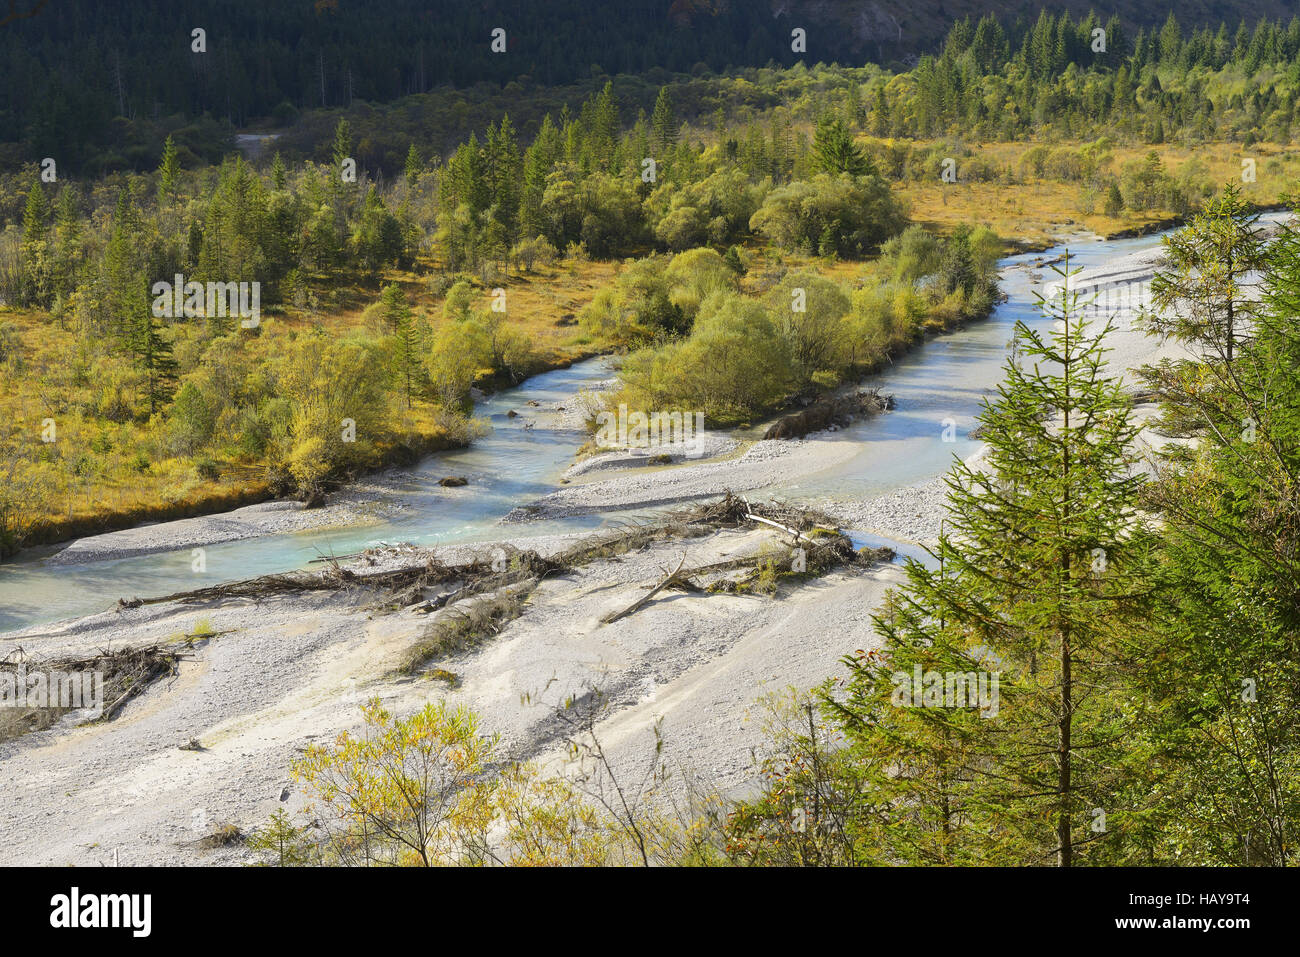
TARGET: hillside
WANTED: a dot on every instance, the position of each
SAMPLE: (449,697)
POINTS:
(92,84)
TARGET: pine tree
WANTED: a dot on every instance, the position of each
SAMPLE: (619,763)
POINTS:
(1114,200)
(879,112)
(342,143)
(153,352)
(169,171)
(278,175)
(35,259)
(605,122)
(502,166)
(1204,298)
(663,123)
(413,164)
(835,152)
(1224,671)
(35,214)
(67,232)
(342,192)
(1042,577)
(119,271)
(287,843)
(393,307)
(408,353)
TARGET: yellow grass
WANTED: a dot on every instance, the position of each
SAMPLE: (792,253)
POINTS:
(1040,211)
(1037,212)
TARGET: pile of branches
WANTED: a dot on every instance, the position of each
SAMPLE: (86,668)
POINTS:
(504,586)
(815,547)
(125,674)
(827,411)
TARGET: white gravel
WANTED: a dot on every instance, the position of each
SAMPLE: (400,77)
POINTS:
(362,503)
(707,445)
(762,465)
(292,670)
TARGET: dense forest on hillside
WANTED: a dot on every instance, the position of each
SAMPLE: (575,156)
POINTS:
(82,91)
(274,60)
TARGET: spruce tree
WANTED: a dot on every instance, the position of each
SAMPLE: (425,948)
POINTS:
(1041,577)
(342,143)
(663,123)
(153,352)
(278,175)
(34,250)
(35,214)
(413,164)
(1224,673)
(1203,298)
(835,152)
(169,171)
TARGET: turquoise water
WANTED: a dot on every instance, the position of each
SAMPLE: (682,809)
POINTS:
(940,383)
(509,465)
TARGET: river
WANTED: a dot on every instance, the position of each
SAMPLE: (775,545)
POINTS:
(941,381)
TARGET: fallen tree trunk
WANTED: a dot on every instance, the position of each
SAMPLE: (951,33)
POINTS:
(610,619)
(828,411)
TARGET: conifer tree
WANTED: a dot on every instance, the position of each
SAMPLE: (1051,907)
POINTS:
(1224,675)
(35,214)
(1203,298)
(413,164)
(169,171)
(835,152)
(153,352)
(342,143)
(278,175)
(663,123)
(1042,577)
(36,259)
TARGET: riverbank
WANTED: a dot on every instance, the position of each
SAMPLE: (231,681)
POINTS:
(286,671)
(251,506)
(365,501)
(282,671)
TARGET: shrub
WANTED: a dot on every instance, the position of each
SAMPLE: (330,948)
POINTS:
(844,215)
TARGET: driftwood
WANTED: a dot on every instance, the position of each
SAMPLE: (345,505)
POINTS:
(828,411)
(405,587)
(610,619)
(334,559)
(767,521)
(126,673)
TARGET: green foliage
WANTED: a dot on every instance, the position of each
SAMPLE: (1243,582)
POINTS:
(834,151)
(912,254)
(168,170)
(809,311)
(1204,296)
(284,843)
(663,124)
(1044,571)
(338,397)
(656,297)
(822,331)
(841,215)
(733,364)
(1224,681)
